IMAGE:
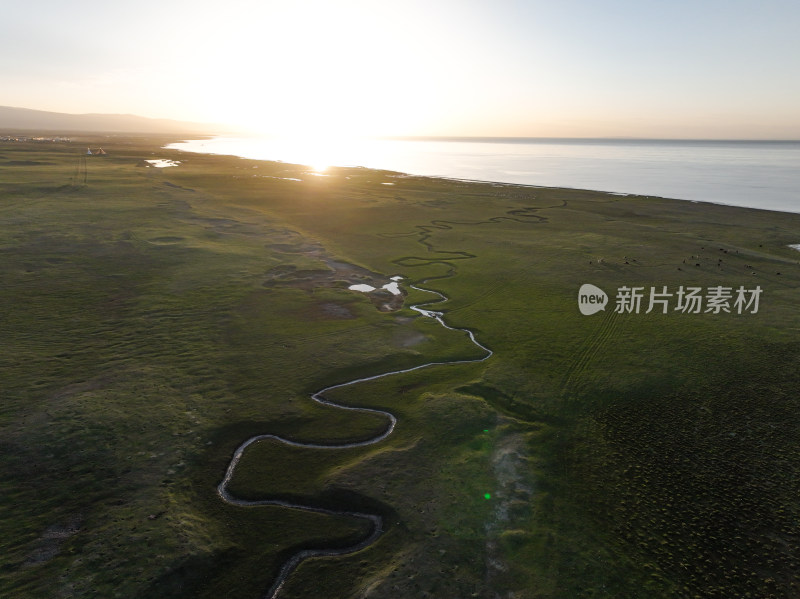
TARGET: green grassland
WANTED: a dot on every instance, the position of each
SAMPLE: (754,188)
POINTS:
(153,319)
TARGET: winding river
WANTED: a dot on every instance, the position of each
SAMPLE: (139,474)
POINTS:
(375,519)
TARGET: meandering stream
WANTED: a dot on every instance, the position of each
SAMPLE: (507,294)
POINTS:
(376,520)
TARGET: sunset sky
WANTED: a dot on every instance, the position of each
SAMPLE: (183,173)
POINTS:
(572,68)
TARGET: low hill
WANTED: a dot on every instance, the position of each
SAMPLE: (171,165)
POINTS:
(19,119)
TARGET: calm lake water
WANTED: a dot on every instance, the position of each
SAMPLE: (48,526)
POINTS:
(756,174)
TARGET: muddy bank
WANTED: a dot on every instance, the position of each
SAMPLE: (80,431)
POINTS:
(385,295)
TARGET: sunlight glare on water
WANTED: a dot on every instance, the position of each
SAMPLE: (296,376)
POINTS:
(739,173)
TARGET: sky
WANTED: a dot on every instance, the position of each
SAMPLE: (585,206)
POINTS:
(566,68)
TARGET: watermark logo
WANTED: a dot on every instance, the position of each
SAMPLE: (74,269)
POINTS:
(684,299)
(591,299)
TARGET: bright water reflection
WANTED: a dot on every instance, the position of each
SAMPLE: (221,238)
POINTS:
(755,174)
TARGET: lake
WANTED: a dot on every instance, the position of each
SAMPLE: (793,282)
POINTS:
(755,174)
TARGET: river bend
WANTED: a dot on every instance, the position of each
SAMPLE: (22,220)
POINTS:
(375,519)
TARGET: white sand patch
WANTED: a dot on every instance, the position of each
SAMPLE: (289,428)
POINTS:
(162,163)
(393,288)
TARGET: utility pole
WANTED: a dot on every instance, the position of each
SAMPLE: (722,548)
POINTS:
(82,166)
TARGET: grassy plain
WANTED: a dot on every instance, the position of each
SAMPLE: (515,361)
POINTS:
(153,319)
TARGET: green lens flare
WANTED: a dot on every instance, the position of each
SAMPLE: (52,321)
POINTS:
(487,495)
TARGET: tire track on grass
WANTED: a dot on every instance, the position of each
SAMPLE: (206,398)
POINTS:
(591,347)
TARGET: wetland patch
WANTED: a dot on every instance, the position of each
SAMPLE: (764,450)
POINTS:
(386,297)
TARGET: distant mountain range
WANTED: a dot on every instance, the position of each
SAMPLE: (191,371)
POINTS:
(18,119)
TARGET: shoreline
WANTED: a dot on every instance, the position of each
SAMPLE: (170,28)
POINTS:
(171,147)
(711,183)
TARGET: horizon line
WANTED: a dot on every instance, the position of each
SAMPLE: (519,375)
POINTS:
(523,138)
